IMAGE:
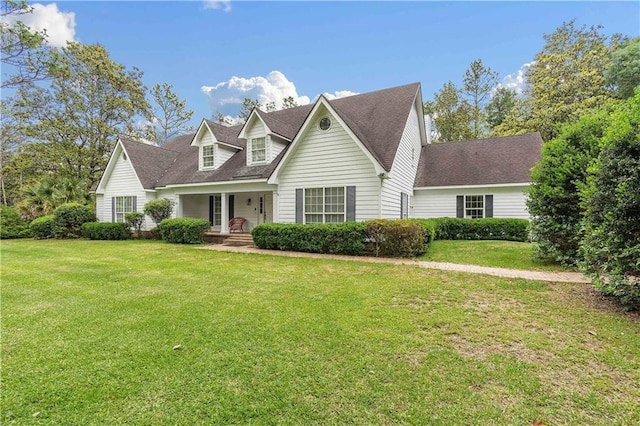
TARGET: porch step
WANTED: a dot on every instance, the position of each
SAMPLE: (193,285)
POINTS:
(238,240)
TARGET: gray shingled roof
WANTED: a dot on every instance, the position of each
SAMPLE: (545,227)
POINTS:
(377,119)
(150,162)
(497,160)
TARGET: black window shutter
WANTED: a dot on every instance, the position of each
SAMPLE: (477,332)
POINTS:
(351,203)
(113,209)
(460,206)
(211,209)
(135,203)
(488,205)
(299,205)
(232,199)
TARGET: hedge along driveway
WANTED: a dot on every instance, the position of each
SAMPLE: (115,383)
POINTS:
(548,276)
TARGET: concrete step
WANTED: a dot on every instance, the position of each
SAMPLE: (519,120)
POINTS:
(238,240)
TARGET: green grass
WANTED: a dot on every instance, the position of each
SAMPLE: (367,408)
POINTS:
(502,254)
(88,330)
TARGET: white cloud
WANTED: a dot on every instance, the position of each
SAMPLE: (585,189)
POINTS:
(518,80)
(339,94)
(227,96)
(224,5)
(59,26)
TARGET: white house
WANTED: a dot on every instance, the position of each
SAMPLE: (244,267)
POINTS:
(356,158)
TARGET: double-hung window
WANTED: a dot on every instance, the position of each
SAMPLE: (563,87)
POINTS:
(122,206)
(474,206)
(258,150)
(208,156)
(324,205)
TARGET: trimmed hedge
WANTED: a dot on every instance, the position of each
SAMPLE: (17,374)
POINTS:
(384,237)
(396,238)
(12,225)
(44,227)
(106,231)
(451,228)
(336,238)
(186,230)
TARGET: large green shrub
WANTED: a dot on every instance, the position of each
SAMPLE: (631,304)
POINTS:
(185,230)
(451,228)
(611,203)
(69,219)
(554,200)
(106,231)
(396,238)
(12,225)
(159,210)
(337,238)
(44,227)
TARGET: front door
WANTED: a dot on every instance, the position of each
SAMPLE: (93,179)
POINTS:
(265,208)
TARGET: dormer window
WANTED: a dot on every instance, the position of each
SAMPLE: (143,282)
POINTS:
(208,156)
(258,150)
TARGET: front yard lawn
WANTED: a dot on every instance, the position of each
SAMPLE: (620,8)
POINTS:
(501,254)
(89,330)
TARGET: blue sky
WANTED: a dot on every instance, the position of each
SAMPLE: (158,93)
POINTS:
(319,47)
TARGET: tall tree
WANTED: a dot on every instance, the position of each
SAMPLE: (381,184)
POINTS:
(24,50)
(289,102)
(478,82)
(73,124)
(450,114)
(170,117)
(245,109)
(565,82)
(623,73)
(501,104)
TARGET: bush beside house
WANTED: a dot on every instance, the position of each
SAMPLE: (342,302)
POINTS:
(185,230)
(106,231)
(383,237)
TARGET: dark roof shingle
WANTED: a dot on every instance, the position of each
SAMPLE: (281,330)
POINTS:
(150,162)
(497,160)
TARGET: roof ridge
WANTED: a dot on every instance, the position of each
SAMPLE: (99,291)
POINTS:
(149,145)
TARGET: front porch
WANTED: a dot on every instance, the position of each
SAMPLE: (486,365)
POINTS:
(235,239)
(219,208)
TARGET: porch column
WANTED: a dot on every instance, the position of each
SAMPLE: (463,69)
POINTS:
(224,216)
(276,207)
(179,206)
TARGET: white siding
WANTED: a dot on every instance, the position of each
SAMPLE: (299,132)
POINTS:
(327,159)
(277,145)
(206,138)
(100,207)
(223,153)
(403,171)
(257,130)
(122,182)
(507,201)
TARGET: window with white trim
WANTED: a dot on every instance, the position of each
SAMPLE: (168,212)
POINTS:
(324,205)
(259,150)
(208,156)
(474,206)
(123,205)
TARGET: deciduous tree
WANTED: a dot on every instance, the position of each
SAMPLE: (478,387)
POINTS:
(501,104)
(450,114)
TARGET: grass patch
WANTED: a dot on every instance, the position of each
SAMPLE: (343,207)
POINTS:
(501,254)
(88,330)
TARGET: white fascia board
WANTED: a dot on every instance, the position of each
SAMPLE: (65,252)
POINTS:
(254,113)
(273,179)
(419,105)
(202,128)
(237,148)
(487,185)
(226,182)
(110,166)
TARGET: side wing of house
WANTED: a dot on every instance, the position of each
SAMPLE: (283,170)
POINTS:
(120,190)
(397,188)
(488,201)
(326,176)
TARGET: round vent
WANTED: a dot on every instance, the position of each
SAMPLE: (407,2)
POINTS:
(325,123)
